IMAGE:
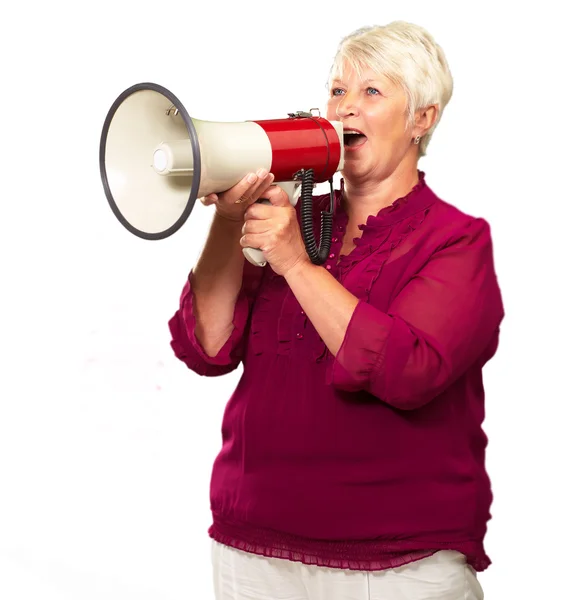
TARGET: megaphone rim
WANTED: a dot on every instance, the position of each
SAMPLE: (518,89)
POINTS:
(193,136)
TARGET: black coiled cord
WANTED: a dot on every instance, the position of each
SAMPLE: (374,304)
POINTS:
(317,255)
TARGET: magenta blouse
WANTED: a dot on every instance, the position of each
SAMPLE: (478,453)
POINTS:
(375,457)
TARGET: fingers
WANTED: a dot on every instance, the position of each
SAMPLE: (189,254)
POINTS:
(277,198)
(245,191)
(257,191)
(209,200)
(256,226)
(241,192)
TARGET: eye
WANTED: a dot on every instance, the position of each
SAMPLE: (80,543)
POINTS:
(335,90)
(373,91)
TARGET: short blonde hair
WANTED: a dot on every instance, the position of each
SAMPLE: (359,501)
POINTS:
(407,55)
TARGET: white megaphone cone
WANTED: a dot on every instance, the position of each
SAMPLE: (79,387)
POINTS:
(155,161)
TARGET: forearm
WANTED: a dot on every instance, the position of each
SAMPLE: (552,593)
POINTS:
(328,305)
(216,282)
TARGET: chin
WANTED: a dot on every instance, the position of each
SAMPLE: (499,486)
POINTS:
(355,169)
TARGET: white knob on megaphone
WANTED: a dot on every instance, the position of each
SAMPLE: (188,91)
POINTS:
(155,160)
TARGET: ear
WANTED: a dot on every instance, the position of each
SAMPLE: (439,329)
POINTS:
(424,119)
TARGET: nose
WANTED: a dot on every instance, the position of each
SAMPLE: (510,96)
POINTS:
(347,106)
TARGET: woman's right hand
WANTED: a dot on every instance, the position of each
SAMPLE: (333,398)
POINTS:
(233,203)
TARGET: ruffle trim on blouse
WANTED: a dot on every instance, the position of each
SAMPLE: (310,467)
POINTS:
(379,250)
(289,307)
(349,555)
(389,212)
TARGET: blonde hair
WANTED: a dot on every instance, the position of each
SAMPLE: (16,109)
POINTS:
(408,56)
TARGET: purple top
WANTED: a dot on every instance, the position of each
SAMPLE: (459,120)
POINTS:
(375,457)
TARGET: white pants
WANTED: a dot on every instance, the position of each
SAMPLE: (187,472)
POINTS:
(242,576)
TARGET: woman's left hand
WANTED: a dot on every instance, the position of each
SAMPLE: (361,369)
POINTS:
(274,229)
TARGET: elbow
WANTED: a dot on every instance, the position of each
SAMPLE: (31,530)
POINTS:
(212,342)
(404,393)
(213,363)
(408,401)
(201,367)
(413,388)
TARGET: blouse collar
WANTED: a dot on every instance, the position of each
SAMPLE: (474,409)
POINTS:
(415,200)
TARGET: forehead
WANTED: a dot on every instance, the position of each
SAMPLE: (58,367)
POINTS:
(346,74)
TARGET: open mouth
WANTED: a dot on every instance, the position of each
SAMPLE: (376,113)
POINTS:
(353,138)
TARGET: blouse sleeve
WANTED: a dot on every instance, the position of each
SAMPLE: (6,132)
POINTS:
(443,321)
(182,327)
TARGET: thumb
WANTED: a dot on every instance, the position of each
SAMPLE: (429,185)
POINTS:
(277,196)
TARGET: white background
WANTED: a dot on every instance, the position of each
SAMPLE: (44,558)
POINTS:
(106,440)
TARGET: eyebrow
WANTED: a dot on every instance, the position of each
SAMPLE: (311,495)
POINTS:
(363,81)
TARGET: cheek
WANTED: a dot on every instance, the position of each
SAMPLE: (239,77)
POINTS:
(331,111)
(390,127)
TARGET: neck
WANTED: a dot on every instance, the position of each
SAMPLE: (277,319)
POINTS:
(363,198)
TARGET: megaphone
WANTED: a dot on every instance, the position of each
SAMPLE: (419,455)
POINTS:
(155,161)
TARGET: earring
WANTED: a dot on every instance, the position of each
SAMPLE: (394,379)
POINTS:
(417,140)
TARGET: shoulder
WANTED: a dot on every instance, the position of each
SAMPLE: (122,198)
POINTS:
(450,225)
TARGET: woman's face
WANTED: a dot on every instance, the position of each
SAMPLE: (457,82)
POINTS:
(376,107)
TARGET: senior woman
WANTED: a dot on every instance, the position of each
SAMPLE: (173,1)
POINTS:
(353,455)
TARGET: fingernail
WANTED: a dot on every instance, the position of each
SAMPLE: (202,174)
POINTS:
(262,173)
(251,178)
